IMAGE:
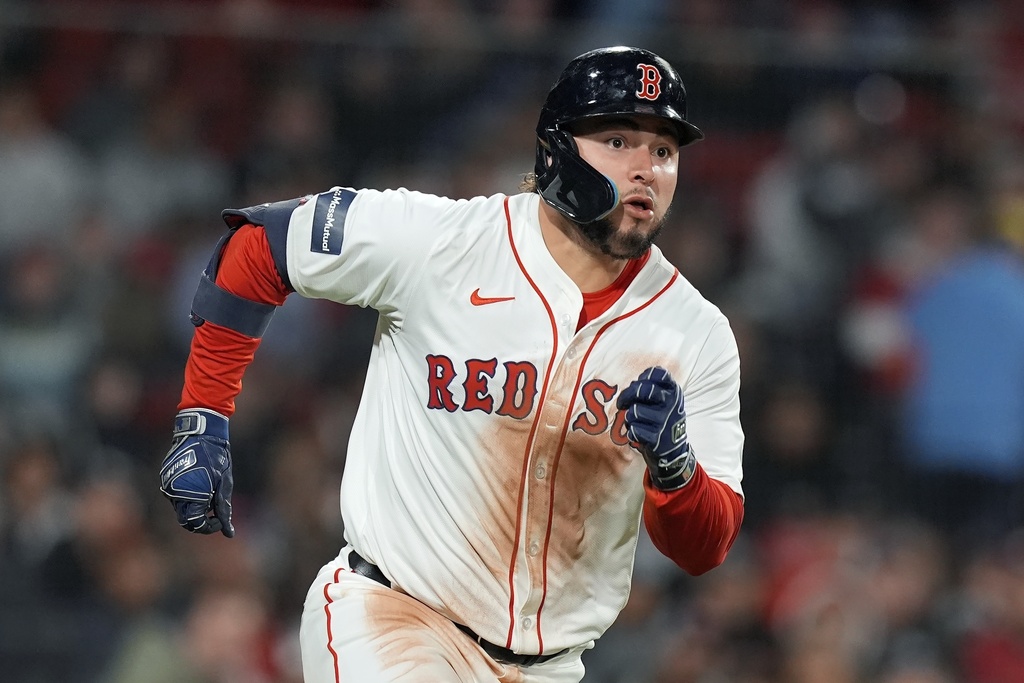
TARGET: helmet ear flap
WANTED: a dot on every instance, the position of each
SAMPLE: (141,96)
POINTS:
(568,183)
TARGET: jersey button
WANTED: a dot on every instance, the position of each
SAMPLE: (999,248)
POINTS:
(533,549)
(571,352)
(540,471)
(527,623)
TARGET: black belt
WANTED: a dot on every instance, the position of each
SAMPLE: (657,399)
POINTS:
(498,653)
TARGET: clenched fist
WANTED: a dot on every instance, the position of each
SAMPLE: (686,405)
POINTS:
(196,473)
(656,420)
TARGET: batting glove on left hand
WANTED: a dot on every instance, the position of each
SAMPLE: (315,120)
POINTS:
(655,419)
(196,474)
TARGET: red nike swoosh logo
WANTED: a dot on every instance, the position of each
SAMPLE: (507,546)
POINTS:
(478,300)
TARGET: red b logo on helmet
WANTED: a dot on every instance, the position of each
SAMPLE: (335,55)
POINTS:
(650,82)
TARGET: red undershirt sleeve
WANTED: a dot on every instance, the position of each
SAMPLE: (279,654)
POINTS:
(219,356)
(696,525)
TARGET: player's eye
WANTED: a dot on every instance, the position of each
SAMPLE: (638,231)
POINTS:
(664,152)
(617,143)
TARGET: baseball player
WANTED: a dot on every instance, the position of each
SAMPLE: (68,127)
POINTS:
(542,381)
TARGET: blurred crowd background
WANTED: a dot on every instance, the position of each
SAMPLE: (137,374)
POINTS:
(857,210)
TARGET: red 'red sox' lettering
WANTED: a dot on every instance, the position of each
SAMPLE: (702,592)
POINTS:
(441,372)
(521,379)
(597,394)
(475,385)
(619,437)
(518,394)
(594,420)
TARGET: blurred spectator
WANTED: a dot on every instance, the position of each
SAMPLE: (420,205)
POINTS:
(116,402)
(157,173)
(729,610)
(298,525)
(964,411)
(135,71)
(227,636)
(294,150)
(44,181)
(115,562)
(133,314)
(37,504)
(48,334)
(54,624)
(908,587)
(791,453)
(149,647)
(992,649)
(809,220)
(698,239)
(613,23)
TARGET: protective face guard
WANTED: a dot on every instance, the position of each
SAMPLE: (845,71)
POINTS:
(569,184)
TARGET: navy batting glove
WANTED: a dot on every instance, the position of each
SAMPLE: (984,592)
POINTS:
(196,474)
(656,421)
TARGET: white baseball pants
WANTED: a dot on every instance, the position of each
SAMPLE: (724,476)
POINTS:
(355,630)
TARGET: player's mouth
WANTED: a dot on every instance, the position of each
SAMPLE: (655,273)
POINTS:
(640,207)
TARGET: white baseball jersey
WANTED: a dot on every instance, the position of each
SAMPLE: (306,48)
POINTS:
(488,474)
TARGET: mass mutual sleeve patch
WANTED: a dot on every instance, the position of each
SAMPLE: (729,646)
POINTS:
(329,221)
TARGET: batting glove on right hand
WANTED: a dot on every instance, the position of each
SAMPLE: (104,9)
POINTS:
(196,474)
(655,419)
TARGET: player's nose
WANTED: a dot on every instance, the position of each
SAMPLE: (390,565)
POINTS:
(641,168)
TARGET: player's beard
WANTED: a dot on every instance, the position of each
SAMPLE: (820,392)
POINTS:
(625,244)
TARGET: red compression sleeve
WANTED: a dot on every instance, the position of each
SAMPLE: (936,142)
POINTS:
(696,525)
(219,355)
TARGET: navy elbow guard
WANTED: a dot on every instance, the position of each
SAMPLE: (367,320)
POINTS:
(217,305)
(212,303)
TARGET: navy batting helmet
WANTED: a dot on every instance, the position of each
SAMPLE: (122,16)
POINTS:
(603,82)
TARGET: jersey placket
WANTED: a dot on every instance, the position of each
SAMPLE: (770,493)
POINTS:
(554,418)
